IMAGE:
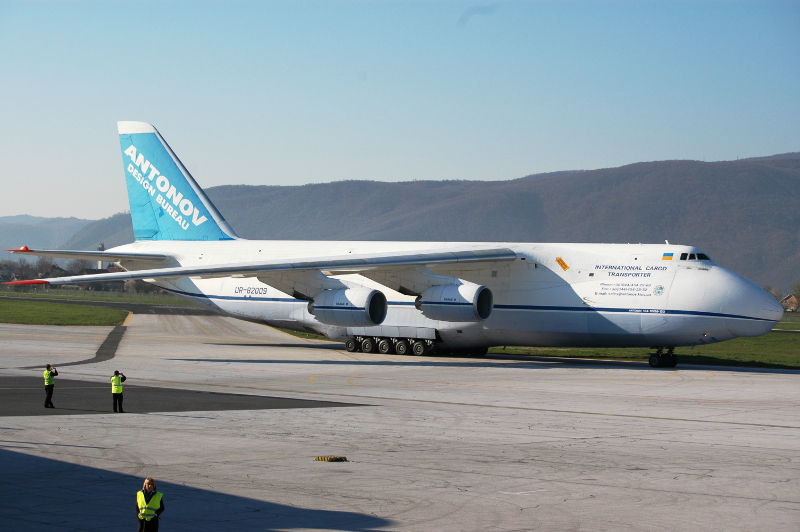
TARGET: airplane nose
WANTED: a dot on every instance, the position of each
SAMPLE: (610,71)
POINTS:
(749,309)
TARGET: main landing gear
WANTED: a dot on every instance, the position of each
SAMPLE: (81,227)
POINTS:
(659,359)
(389,346)
(405,346)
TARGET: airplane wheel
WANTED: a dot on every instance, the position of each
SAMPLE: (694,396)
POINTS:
(673,361)
(401,347)
(478,352)
(655,361)
(385,346)
(418,348)
(367,345)
(351,345)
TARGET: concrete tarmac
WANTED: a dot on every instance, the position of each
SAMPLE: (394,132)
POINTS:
(499,443)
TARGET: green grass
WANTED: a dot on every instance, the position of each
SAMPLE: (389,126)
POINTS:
(36,313)
(153,298)
(790,321)
(773,350)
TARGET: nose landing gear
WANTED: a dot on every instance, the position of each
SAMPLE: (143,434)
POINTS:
(659,359)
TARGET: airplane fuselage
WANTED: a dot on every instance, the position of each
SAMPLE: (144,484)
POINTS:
(599,295)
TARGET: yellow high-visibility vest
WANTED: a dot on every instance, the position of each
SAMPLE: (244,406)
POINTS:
(116,384)
(147,510)
(48,378)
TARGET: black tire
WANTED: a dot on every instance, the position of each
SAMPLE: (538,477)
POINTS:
(673,361)
(368,345)
(478,351)
(401,347)
(351,345)
(655,361)
(385,346)
(418,348)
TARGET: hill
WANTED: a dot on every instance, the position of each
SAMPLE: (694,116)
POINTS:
(112,231)
(743,213)
(36,232)
(790,155)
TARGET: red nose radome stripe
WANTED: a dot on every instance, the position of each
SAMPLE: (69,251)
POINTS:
(33,281)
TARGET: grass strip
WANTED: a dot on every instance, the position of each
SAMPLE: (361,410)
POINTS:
(789,322)
(90,295)
(36,313)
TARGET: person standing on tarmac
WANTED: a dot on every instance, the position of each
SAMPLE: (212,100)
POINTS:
(116,389)
(149,506)
(49,383)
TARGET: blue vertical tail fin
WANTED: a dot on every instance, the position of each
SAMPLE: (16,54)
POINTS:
(166,202)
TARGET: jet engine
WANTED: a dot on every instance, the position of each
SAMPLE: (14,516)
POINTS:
(464,302)
(351,307)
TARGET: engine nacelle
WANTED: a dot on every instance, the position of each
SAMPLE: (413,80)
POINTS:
(464,302)
(351,307)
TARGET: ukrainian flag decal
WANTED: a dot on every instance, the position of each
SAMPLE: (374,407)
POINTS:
(667,256)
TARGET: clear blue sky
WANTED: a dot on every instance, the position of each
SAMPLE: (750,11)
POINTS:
(287,93)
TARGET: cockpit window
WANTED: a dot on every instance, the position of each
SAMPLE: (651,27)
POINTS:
(693,256)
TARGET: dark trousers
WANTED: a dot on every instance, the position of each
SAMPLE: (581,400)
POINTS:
(117,401)
(48,401)
(148,526)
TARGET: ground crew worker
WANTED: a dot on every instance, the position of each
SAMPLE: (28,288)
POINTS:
(149,506)
(49,383)
(116,389)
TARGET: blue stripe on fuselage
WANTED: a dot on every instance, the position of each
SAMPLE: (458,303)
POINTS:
(540,308)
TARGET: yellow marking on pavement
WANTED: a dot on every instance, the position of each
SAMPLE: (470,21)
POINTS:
(204,329)
(127,319)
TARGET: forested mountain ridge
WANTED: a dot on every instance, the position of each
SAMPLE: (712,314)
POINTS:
(36,231)
(744,213)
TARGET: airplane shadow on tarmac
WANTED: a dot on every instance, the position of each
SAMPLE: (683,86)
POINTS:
(523,362)
(334,347)
(526,363)
(41,495)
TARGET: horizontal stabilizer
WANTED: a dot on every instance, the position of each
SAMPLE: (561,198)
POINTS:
(106,256)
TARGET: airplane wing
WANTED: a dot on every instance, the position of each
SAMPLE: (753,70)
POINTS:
(334,265)
(105,256)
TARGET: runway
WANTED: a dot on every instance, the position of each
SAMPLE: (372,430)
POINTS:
(499,443)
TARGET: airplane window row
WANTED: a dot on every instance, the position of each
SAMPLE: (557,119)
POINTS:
(692,256)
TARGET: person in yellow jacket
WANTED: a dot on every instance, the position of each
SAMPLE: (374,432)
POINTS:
(149,506)
(116,389)
(49,384)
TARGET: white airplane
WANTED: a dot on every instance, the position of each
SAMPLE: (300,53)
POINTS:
(421,297)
